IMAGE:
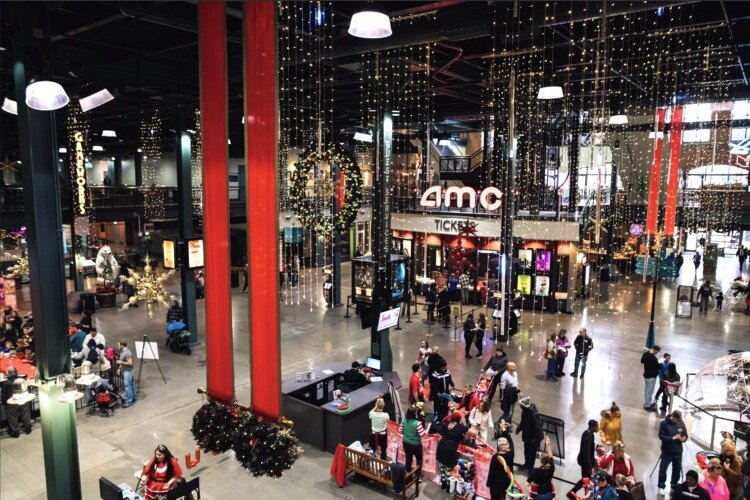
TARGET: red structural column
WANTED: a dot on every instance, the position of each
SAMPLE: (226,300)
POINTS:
(213,87)
(262,205)
(673,176)
(653,185)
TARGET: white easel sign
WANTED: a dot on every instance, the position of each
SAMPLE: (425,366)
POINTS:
(146,350)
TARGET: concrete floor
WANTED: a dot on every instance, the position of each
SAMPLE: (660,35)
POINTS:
(616,314)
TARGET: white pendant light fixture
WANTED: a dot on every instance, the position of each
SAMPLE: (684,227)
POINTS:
(45,95)
(551,92)
(96,147)
(618,119)
(362,137)
(10,106)
(370,24)
(109,133)
(96,99)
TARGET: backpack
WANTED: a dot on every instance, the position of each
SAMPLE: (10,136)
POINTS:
(92,356)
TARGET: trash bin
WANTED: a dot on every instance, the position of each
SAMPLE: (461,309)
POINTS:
(87,302)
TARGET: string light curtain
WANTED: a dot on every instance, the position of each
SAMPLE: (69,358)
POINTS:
(151,136)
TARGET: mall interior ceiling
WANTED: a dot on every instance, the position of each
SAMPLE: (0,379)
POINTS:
(641,54)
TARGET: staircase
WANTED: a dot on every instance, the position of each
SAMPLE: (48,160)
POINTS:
(466,169)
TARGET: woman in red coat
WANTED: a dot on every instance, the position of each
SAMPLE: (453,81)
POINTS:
(161,473)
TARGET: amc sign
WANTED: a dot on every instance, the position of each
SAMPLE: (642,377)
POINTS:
(489,198)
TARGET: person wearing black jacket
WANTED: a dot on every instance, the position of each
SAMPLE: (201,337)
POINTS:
(435,361)
(690,489)
(430,299)
(441,382)
(532,433)
(583,345)
(650,372)
(444,306)
(586,458)
(500,473)
(497,364)
(469,327)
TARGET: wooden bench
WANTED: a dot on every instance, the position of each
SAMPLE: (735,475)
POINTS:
(380,471)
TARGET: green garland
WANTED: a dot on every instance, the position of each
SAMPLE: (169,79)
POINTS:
(303,207)
(213,427)
(264,448)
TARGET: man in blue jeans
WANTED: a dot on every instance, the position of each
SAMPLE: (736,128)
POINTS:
(583,345)
(125,364)
(650,372)
(672,434)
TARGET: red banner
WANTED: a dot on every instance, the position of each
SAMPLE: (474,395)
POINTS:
(653,186)
(213,88)
(262,216)
(673,176)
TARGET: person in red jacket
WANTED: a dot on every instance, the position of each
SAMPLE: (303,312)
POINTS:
(160,474)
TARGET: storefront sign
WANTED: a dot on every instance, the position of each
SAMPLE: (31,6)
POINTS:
(489,197)
(80,201)
(195,253)
(451,226)
(429,223)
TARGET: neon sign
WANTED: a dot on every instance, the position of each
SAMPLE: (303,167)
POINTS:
(79,189)
(489,198)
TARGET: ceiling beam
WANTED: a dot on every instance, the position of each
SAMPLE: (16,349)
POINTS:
(734,43)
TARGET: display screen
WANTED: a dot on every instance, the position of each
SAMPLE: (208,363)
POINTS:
(524,256)
(398,281)
(542,286)
(364,280)
(195,253)
(543,261)
(167,247)
(524,284)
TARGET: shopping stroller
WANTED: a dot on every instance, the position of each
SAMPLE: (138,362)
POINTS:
(178,337)
(103,398)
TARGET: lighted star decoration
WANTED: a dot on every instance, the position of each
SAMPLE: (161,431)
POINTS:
(149,287)
(324,188)
(20,268)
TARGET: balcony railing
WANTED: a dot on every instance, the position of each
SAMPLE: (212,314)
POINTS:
(455,164)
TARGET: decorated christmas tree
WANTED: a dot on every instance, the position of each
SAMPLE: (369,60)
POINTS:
(457,260)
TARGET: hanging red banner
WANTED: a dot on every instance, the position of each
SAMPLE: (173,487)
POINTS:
(213,89)
(673,175)
(652,213)
(262,217)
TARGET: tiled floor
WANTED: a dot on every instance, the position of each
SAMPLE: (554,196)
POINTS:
(616,315)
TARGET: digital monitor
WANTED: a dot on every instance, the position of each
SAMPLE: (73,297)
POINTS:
(543,261)
(373,363)
(109,490)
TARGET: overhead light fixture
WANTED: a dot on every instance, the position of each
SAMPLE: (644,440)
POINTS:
(362,137)
(618,119)
(10,106)
(70,394)
(45,95)
(396,112)
(97,148)
(139,150)
(229,141)
(96,99)
(62,150)
(109,133)
(551,92)
(370,24)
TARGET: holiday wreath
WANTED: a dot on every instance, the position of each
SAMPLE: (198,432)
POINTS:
(304,207)
(263,447)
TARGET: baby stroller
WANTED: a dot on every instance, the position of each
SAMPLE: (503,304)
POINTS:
(178,337)
(103,398)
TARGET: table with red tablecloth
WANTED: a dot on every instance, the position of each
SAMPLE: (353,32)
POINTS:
(22,366)
(430,468)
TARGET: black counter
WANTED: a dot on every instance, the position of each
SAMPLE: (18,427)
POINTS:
(319,424)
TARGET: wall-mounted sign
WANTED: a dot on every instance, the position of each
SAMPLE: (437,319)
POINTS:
(168,248)
(489,197)
(80,196)
(195,253)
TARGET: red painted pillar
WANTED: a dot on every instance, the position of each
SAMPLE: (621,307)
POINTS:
(213,87)
(673,177)
(652,213)
(261,102)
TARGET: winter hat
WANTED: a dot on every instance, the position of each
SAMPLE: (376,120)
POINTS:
(525,402)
